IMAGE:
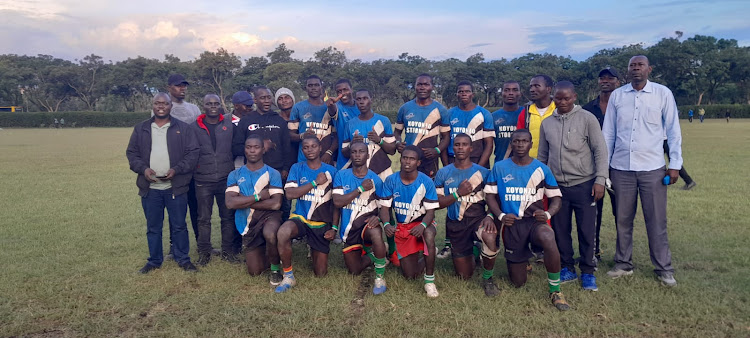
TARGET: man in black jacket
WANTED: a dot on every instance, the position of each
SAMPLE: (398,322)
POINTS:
(274,131)
(163,152)
(213,131)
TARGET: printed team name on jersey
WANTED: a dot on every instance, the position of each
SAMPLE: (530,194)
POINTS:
(318,127)
(316,195)
(409,210)
(464,130)
(417,127)
(520,194)
(362,205)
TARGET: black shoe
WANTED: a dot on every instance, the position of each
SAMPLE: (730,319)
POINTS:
(169,257)
(189,267)
(215,252)
(204,258)
(490,288)
(275,278)
(230,258)
(148,268)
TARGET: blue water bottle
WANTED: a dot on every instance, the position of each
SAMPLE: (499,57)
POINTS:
(665,181)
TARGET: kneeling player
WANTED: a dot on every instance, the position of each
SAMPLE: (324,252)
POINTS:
(514,193)
(309,183)
(413,197)
(355,190)
(254,190)
(460,188)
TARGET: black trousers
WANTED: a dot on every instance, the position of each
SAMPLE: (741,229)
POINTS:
(683,173)
(206,193)
(576,199)
(193,208)
(599,208)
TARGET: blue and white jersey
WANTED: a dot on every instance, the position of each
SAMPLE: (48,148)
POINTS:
(379,162)
(247,183)
(344,115)
(447,181)
(306,116)
(520,189)
(409,202)
(355,214)
(316,205)
(477,123)
(505,124)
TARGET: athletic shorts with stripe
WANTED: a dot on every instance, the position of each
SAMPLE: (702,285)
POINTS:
(463,233)
(315,232)
(516,239)
(254,236)
(355,239)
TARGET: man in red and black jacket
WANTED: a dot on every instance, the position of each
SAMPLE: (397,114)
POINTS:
(214,132)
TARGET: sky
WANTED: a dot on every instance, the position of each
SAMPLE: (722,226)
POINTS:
(367,30)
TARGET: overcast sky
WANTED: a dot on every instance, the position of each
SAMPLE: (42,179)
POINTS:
(366,30)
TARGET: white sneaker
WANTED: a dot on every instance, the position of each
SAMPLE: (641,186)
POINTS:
(667,279)
(286,284)
(379,287)
(431,290)
(617,273)
(444,253)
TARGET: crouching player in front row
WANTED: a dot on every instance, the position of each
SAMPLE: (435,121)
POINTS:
(460,188)
(310,183)
(254,190)
(356,191)
(515,189)
(412,195)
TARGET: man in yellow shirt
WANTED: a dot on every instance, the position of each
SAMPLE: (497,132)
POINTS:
(540,108)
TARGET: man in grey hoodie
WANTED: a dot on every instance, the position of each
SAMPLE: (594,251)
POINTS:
(573,146)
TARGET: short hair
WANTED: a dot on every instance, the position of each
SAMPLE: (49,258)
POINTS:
(547,80)
(510,82)
(257,88)
(353,143)
(169,98)
(310,137)
(311,77)
(344,80)
(465,83)
(522,131)
(425,75)
(462,135)
(363,90)
(414,149)
(565,85)
(255,137)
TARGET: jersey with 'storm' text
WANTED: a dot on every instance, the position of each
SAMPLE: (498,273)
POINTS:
(505,124)
(410,202)
(422,125)
(248,183)
(447,181)
(477,123)
(520,189)
(316,205)
(379,162)
(306,116)
(355,214)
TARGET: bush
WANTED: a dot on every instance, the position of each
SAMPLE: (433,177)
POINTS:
(717,110)
(72,119)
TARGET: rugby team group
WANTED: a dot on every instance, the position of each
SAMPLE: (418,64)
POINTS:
(332,155)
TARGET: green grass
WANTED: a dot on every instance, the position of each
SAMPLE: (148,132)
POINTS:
(72,236)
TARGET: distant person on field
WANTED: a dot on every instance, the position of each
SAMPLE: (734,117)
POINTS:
(727,114)
(57,123)
(506,118)
(62,123)
(164,152)
(690,116)
(213,131)
(689,182)
(572,146)
(639,115)
(609,80)
(701,114)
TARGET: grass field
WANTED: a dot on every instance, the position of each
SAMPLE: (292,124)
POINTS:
(72,237)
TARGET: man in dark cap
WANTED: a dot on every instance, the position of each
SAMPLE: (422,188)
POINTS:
(243,105)
(181,110)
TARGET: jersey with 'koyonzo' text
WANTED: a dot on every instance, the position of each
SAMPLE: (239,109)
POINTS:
(422,125)
(477,123)
(316,205)
(247,183)
(520,189)
(343,115)
(306,116)
(505,124)
(410,202)
(447,181)
(379,162)
(355,214)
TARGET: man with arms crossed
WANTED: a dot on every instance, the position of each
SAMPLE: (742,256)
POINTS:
(514,193)
(506,118)
(313,117)
(573,147)
(356,191)
(638,116)
(314,217)
(412,194)
(255,192)
(460,188)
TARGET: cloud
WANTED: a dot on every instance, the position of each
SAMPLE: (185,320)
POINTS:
(480,45)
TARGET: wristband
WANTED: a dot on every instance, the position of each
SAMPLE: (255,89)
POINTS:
(386,224)
(455,195)
(334,227)
(548,215)
(381,142)
(257,198)
(361,189)
(424,225)
(490,215)
(329,152)
(438,150)
(500,218)
(315,185)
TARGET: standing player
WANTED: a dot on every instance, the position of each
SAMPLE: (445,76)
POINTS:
(474,121)
(379,136)
(344,108)
(460,188)
(310,183)
(255,192)
(514,193)
(506,118)
(356,191)
(412,194)
(309,116)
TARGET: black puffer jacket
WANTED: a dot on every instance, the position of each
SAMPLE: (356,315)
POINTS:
(214,165)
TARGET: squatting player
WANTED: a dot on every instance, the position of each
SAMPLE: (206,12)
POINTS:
(460,188)
(310,183)
(356,191)
(514,193)
(254,190)
(413,197)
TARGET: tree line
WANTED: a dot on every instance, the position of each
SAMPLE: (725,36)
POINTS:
(700,70)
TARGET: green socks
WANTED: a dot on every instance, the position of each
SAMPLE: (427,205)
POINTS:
(487,274)
(379,267)
(429,279)
(275,267)
(391,245)
(553,279)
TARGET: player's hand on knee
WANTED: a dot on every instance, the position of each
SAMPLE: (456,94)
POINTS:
(488,225)
(509,219)
(330,235)
(390,230)
(540,216)
(373,222)
(417,231)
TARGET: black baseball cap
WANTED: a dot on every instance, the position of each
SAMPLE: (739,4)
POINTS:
(176,79)
(609,70)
